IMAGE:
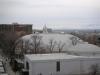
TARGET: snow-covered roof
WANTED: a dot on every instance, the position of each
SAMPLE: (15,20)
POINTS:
(65,39)
(58,38)
(85,48)
(52,56)
(47,37)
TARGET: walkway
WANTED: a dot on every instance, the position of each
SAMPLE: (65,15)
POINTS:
(9,70)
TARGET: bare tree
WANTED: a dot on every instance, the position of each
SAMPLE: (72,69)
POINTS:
(51,45)
(32,46)
(60,46)
(36,43)
(8,43)
(23,47)
(19,48)
(26,46)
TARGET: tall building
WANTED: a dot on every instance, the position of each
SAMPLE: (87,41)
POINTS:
(16,28)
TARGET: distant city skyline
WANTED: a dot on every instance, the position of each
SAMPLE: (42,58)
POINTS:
(56,14)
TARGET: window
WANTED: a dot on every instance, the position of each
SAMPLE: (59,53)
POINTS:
(27,65)
(58,66)
(98,38)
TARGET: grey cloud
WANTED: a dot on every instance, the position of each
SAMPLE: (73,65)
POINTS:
(57,14)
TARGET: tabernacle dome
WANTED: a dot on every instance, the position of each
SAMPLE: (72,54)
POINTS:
(63,42)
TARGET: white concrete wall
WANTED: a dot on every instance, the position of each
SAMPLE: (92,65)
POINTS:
(49,68)
(46,68)
(87,63)
(72,66)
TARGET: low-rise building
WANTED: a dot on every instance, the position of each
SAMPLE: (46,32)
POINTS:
(59,64)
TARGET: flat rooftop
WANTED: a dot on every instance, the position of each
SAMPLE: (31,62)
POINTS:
(52,56)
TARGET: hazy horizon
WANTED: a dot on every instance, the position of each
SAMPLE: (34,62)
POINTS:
(56,14)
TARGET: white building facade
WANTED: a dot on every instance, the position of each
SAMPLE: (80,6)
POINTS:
(59,64)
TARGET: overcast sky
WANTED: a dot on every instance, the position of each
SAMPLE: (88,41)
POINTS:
(56,14)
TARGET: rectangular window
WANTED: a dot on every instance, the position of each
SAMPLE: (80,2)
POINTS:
(27,65)
(58,66)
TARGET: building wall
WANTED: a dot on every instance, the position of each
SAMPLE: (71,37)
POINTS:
(69,67)
(98,40)
(45,68)
(19,29)
(88,63)
(49,68)
(72,66)
(6,28)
